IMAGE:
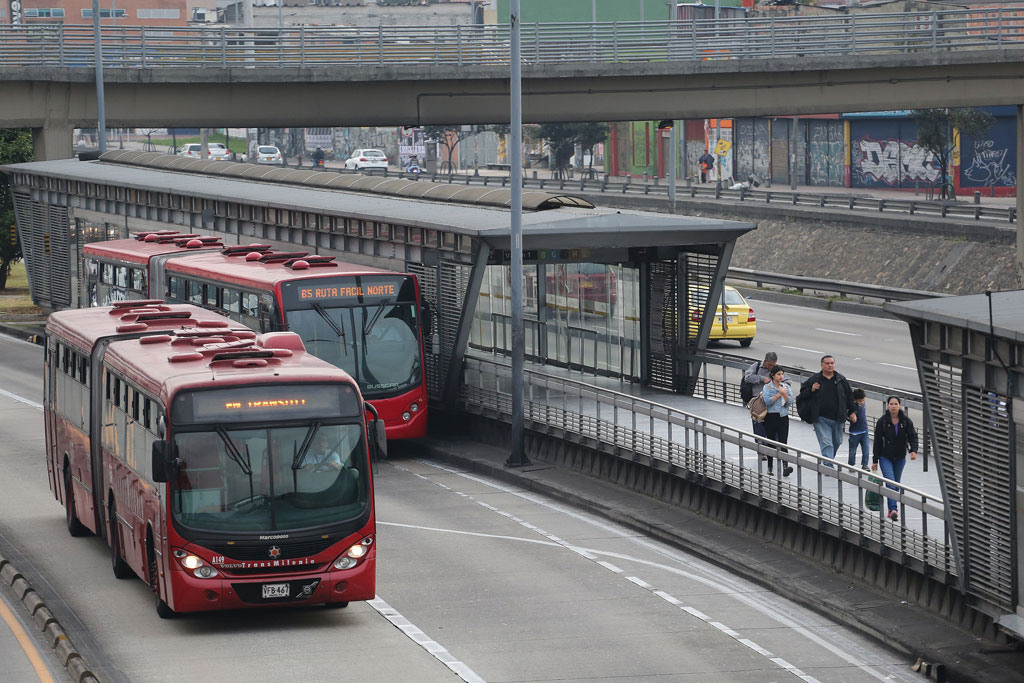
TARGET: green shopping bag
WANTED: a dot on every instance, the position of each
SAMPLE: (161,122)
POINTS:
(872,500)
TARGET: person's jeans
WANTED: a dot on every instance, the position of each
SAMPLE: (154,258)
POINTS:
(892,469)
(855,441)
(830,436)
(776,428)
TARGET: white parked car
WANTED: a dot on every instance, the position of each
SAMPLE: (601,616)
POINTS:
(217,151)
(367,160)
(268,154)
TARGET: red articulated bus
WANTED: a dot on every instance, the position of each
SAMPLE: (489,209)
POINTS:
(363,320)
(225,469)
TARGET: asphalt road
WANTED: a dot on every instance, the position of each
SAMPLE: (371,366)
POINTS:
(869,349)
(484,583)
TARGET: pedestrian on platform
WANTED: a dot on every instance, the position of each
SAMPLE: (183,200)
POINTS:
(830,402)
(894,437)
(707,162)
(777,396)
(859,431)
(755,378)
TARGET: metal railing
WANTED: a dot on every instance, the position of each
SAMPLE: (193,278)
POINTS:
(659,189)
(723,457)
(842,287)
(48,44)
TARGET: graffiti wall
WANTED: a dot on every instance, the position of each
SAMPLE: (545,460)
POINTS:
(991,159)
(825,143)
(883,155)
(753,138)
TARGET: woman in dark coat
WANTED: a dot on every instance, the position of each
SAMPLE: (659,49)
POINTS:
(894,437)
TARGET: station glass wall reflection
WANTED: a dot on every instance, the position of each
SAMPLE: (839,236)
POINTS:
(580,315)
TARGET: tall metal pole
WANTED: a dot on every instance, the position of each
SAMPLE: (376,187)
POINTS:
(1020,198)
(672,166)
(517,458)
(101,107)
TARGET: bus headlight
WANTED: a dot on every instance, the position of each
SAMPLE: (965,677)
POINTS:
(414,407)
(195,564)
(406,416)
(354,554)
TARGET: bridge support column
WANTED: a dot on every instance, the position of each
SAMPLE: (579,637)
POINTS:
(53,141)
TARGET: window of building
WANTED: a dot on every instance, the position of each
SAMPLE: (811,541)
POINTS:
(159,13)
(104,13)
(44,12)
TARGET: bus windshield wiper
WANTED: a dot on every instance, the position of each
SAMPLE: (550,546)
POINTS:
(322,312)
(244,464)
(300,454)
(368,324)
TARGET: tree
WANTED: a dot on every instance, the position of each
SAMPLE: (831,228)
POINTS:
(934,133)
(562,139)
(449,137)
(15,148)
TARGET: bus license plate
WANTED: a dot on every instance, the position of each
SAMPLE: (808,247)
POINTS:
(275,590)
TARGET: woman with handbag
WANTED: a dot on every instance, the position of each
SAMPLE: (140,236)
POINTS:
(777,396)
(894,436)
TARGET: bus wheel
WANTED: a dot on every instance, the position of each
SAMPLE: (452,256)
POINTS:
(117,564)
(335,605)
(75,527)
(163,610)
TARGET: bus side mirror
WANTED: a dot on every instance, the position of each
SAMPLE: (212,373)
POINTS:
(159,467)
(380,434)
(428,317)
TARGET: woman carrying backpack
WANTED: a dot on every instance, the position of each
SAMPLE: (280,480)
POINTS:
(894,437)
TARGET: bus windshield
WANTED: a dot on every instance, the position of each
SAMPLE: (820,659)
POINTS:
(377,344)
(271,478)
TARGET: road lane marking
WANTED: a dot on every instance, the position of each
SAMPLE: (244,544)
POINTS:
(797,348)
(727,586)
(417,635)
(26,644)
(901,367)
(848,334)
(20,399)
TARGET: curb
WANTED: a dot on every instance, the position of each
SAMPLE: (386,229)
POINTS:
(36,334)
(47,624)
(936,663)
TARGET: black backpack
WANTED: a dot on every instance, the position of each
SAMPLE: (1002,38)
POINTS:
(746,388)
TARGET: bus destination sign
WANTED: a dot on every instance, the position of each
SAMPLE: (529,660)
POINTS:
(349,290)
(252,404)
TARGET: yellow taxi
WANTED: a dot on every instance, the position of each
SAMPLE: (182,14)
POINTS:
(739,322)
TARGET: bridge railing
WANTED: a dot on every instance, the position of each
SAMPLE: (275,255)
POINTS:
(41,44)
(721,457)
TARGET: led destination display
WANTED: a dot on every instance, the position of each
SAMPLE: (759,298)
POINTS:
(353,290)
(251,404)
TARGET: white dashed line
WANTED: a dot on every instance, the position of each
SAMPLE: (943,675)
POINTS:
(19,399)
(901,367)
(415,634)
(847,334)
(797,348)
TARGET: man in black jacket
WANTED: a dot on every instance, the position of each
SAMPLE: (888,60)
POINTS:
(831,404)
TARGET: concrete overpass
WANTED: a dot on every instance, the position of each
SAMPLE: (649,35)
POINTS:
(54,100)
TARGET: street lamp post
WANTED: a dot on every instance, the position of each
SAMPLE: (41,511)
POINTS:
(517,457)
(101,114)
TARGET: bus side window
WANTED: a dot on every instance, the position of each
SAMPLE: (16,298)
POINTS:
(230,301)
(117,391)
(121,275)
(195,293)
(135,405)
(212,294)
(83,370)
(137,283)
(176,286)
(107,273)
(147,413)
